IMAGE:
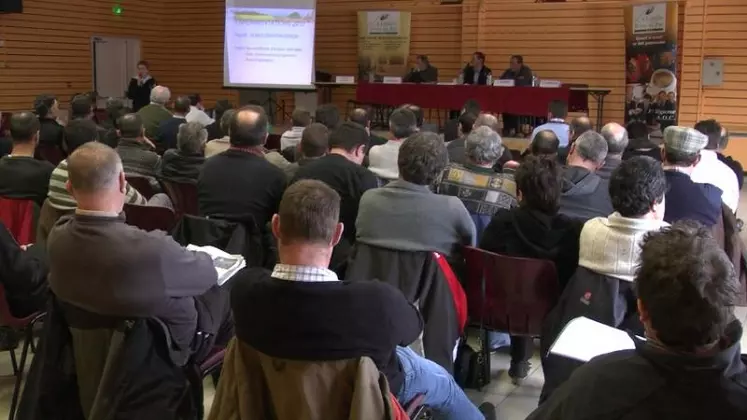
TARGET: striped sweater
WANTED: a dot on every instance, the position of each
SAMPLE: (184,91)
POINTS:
(60,198)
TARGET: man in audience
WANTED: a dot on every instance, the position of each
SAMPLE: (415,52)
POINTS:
(328,114)
(393,217)
(451,127)
(214,129)
(314,145)
(383,159)
(617,141)
(545,143)
(51,132)
(556,114)
(687,199)
(81,108)
(491,121)
(213,147)
(535,229)
(579,126)
(609,249)
(301,118)
(640,143)
(169,128)
(115,108)
(185,163)
(197,111)
(301,297)
(240,184)
(481,189)
(136,152)
(155,113)
(361,116)
(710,170)
(585,194)
(734,165)
(689,366)
(420,119)
(102,265)
(456,147)
(22,176)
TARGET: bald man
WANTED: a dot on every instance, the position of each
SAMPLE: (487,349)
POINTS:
(103,266)
(617,141)
(579,126)
(545,143)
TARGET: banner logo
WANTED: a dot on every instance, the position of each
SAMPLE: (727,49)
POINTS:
(649,18)
(383,23)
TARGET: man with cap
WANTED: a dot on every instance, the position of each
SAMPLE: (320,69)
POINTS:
(687,199)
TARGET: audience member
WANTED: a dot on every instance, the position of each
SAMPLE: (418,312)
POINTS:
(136,152)
(197,111)
(215,146)
(728,160)
(155,113)
(557,112)
(328,114)
(420,119)
(81,108)
(168,129)
(340,320)
(640,143)
(314,145)
(102,265)
(115,109)
(456,147)
(689,366)
(481,189)
(545,143)
(215,130)
(392,217)
(23,274)
(362,116)
(585,194)
(185,163)
(710,170)
(451,127)
(383,159)
(22,176)
(51,132)
(687,199)
(579,126)
(300,119)
(491,121)
(240,184)
(609,249)
(141,86)
(617,141)
(534,229)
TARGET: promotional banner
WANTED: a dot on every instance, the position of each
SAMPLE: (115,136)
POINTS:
(651,67)
(383,44)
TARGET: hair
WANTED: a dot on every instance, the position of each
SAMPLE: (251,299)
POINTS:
(545,142)
(221,106)
(43,105)
(724,140)
(248,127)
(348,136)
(80,106)
(637,130)
(471,106)
(329,115)
(636,185)
(118,114)
(23,126)
(483,146)
(182,104)
(300,117)
(423,58)
(712,129)
(591,146)
(93,167)
(360,116)
(488,120)
(678,158)
(113,106)
(580,125)
(78,133)
(160,95)
(479,55)
(418,111)
(315,140)
(195,99)
(422,158)
(225,120)
(519,59)
(616,137)
(309,212)
(143,63)
(191,138)
(467,122)
(687,286)
(402,123)
(558,108)
(539,180)
(131,126)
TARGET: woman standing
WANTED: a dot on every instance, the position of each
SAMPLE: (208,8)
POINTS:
(140,86)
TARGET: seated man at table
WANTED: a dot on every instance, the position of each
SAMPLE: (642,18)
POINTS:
(518,72)
(586,194)
(689,366)
(476,73)
(423,72)
(382,160)
(557,111)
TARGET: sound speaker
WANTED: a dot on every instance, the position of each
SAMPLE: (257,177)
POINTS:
(11,6)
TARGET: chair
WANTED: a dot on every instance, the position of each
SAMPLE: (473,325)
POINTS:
(50,153)
(17,326)
(142,185)
(183,196)
(520,293)
(19,217)
(150,218)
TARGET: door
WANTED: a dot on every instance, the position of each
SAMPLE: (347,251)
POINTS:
(114,63)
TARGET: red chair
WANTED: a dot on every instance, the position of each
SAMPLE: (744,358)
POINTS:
(183,196)
(23,326)
(150,218)
(508,294)
(18,217)
(142,185)
(51,154)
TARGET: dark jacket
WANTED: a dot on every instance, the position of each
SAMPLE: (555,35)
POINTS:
(522,78)
(140,94)
(51,133)
(6,146)
(138,158)
(686,199)
(456,151)
(167,131)
(610,164)
(153,115)
(735,166)
(429,75)
(649,383)
(23,275)
(585,194)
(469,75)
(180,167)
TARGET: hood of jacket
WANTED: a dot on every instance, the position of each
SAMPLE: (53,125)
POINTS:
(541,232)
(579,181)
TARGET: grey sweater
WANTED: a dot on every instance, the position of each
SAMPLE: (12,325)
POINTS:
(409,217)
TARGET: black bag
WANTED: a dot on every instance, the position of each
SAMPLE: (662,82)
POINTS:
(468,367)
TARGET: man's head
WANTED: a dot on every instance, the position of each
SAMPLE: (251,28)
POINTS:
(478,60)
(516,62)
(402,123)
(361,116)
(24,128)
(221,106)
(113,107)
(418,112)
(248,127)
(78,133)
(487,120)
(315,141)
(538,181)
(483,146)
(181,105)
(300,117)
(81,107)
(142,68)
(160,95)
(131,126)
(350,139)
(545,143)
(637,131)
(191,138)
(471,106)
(421,61)
(225,120)
(637,188)
(686,288)
(329,115)
(616,137)
(579,125)
(557,109)
(46,106)
(195,100)
(467,123)
(682,146)
(422,158)
(96,178)
(588,151)
(724,140)
(713,130)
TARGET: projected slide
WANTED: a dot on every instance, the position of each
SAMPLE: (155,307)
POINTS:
(269,43)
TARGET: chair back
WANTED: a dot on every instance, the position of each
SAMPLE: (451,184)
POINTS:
(6,316)
(50,153)
(183,196)
(18,217)
(150,218)
(509,294)
(142,185)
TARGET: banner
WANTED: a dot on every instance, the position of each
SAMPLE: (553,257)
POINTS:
(651,67)
(383,44)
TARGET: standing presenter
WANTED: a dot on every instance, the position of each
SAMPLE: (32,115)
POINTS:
(140,86)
